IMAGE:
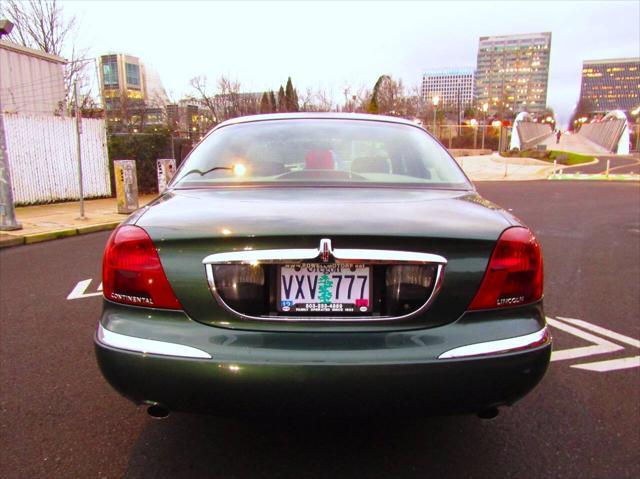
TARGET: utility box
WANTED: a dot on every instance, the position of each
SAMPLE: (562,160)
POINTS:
(541,147)
(166,170)
(126,186)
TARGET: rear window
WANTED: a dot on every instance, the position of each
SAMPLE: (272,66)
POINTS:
(320,151)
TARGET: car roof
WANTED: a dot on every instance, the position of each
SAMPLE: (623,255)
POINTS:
(315,115)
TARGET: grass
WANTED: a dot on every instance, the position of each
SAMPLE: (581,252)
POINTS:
(568,158)
(612,177)
(562,157)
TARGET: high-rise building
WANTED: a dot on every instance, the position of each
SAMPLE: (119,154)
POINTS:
(513,72)
(612,84)
(131,98)
(453,87)
(122,79)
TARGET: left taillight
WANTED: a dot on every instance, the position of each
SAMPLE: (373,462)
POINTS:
(132,272)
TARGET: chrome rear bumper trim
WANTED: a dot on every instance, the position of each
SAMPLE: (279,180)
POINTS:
(147,346)
(501,346)
(340,255)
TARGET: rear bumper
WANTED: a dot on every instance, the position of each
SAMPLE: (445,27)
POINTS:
(309,373)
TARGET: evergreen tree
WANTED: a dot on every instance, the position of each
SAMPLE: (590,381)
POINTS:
(282,100)
(291,96)
(272,101)
(264,103)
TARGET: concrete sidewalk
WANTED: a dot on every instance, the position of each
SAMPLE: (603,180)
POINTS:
(59,220)
(497,168)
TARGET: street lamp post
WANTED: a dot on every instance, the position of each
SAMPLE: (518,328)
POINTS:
(7,211)
(474,125)
(485,107)
(436,100)
(635,113)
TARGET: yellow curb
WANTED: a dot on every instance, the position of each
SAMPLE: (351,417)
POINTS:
(94,228)
(9,240)
(39,237)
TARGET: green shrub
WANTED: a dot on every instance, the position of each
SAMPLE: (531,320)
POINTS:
(145,148)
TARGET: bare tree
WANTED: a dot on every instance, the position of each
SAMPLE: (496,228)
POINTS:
(199,84)
(41,25)
(306,100)
(229,101)
(358,100)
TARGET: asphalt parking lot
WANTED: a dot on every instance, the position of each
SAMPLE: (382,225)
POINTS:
(58,417)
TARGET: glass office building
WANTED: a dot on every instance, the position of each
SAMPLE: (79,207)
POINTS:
(611,84)
(513,73)
(453,87)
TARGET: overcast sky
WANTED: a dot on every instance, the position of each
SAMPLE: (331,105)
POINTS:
(331,44)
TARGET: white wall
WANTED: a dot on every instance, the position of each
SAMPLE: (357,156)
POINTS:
(43,161)
(31,82)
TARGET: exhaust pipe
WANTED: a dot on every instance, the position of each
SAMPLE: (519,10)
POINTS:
(157,411)
(490,413)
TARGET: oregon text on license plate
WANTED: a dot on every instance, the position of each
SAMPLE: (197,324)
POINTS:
(318,288)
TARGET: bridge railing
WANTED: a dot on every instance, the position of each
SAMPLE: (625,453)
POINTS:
(532,133)
(604,133)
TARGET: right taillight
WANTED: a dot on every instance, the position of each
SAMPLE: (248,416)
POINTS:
(514,274)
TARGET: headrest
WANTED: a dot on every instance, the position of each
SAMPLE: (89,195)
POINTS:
(319,160)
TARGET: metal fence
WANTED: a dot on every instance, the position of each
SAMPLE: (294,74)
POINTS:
(42,154)
(475,137)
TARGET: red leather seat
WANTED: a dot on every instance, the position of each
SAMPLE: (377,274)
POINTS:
(319,160)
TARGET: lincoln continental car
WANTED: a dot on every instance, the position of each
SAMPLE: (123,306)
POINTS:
(322,263)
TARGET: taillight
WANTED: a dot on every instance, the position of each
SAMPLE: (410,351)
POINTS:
(132,272)
(514,273)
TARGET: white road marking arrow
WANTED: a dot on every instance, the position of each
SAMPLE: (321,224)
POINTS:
(600,345)
(603,331)
(78,291)
(610,365)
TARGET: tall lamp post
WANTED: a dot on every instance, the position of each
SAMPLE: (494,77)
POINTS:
(635,113)
(435,100)
(7,211)
(485,108)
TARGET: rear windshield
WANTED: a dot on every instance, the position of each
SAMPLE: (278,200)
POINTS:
(320,151)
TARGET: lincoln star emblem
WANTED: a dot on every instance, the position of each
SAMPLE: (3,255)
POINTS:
(325,250)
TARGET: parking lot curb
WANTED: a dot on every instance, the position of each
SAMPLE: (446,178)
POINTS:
(100,227)
(50,235)
(7,240)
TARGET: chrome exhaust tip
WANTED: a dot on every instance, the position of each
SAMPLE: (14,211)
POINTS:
(156,411)
(490,413)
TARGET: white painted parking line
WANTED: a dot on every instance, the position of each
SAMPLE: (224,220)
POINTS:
(599,346)
(603,331)
(78,292)
(610,365)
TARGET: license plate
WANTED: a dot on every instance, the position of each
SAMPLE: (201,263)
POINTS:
(324,288)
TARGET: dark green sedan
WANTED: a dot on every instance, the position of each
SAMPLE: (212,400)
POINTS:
(322,264)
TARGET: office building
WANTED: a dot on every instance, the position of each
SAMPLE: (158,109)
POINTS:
(612,84)
(453,87)
(513,72)
(133,97)
(122,80)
